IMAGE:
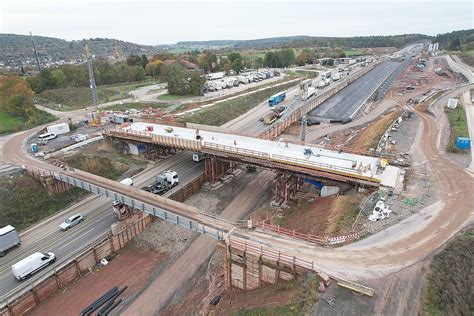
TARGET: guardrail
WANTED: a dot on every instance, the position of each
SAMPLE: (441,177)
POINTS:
(24,288)
(272,132)
(235,150)
(270,254)
(319,240)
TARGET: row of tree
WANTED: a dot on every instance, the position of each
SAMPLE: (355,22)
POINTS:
(16,98)
(457,40)
(182,81)
(77,76)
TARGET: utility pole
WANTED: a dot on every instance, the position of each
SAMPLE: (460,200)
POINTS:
(92,85)
(303,128)
(36,53)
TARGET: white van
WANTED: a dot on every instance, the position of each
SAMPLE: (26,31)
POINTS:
(47,136)
(32,264)
(127,181)
(197,157)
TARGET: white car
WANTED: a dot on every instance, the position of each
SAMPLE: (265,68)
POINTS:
(72,221)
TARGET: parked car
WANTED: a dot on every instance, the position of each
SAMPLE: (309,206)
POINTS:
(72,221)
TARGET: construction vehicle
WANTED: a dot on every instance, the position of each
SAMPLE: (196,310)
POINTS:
(274,115)
(163,183)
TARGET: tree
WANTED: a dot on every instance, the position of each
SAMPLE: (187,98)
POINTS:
(144,61)
(270,60)
(237,65)
(181,81)
(233,56)
(286,57)
(133,60)
(303,58)
(208,61)
(16,97)
(153,68)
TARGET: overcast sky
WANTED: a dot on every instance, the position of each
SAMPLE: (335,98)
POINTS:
(159,22)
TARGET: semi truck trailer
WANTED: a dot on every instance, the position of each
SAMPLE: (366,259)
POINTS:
(8,239)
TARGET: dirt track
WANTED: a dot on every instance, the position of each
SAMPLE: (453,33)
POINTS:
(410,240)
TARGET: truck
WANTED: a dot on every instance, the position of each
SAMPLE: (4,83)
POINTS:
(324,83)
(243,79)
(326,74)
(311,91)
(276,98)
(32,264)
(336,76)
(8,239)
(119,118)
(214,76)
(163,183)
(58,129)
(274,115)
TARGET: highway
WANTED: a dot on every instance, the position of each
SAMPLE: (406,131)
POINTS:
(99,216)
(250,124)
(348,101)
(46,235)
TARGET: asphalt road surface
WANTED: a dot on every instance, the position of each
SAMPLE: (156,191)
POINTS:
(47,237)
(348,101)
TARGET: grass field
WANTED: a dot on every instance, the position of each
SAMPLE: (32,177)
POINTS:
(458,124)
(100,166)
(226,111)
(171,97)
(25,201)
(137,106)
(449,287)
(10,124)
(353,52)
(77,98)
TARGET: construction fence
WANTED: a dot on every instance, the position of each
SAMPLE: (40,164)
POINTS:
(319,240)
(69,270)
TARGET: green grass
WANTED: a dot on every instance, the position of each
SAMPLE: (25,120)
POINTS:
(10,124)
(137,106)
(448,288)
(171,97)
(24,201)
(226,111)
(77,98)
(458,124)
(353,52)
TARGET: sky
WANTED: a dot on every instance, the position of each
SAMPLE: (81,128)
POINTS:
(154,22)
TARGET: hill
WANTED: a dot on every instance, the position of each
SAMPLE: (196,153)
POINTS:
(18,47)
(308,41)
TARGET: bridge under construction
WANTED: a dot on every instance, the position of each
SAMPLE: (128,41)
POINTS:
(299,161)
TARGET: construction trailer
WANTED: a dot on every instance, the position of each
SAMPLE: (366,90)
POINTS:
(58,129)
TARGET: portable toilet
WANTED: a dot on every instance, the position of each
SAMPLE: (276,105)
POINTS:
(463,143)
(34,148)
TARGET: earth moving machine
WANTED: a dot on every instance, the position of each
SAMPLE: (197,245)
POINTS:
(274,115)
(163,183)
(8,239)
